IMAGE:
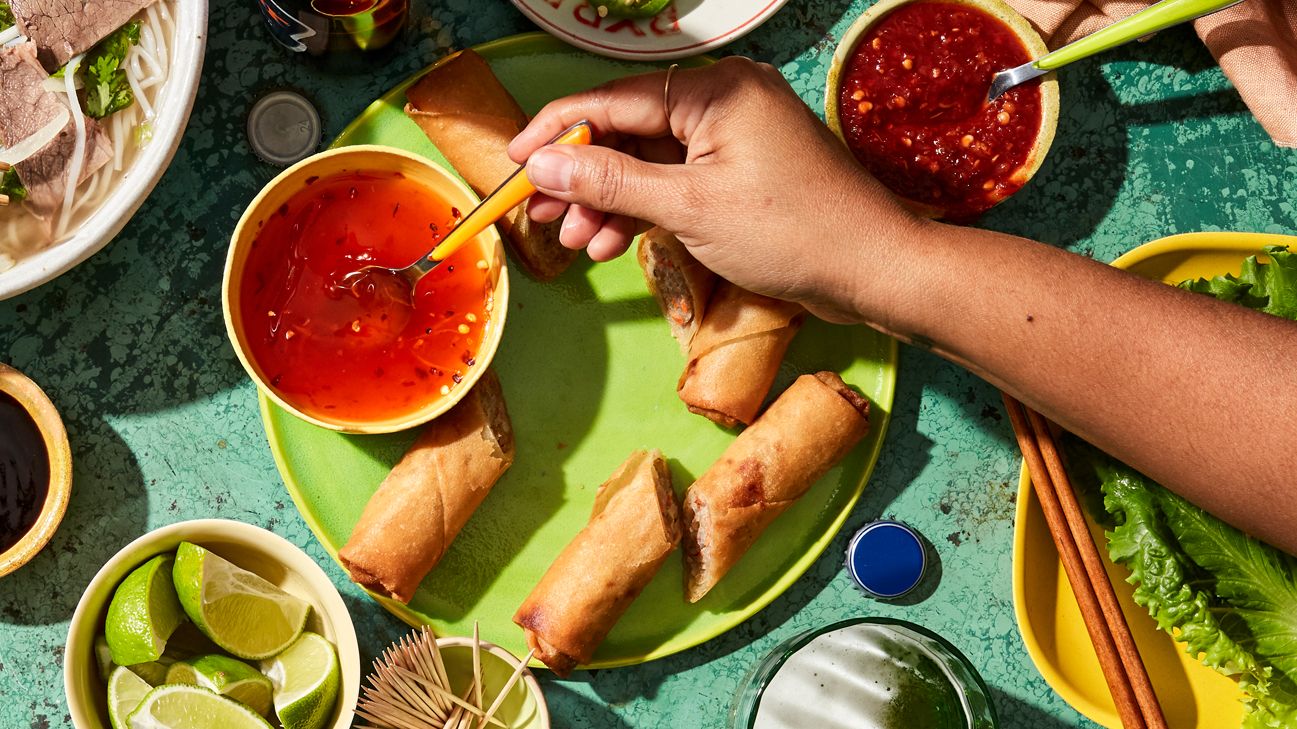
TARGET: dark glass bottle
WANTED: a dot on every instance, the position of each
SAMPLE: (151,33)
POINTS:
(335,29)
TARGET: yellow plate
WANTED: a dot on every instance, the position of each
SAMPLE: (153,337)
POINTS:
(1191,694)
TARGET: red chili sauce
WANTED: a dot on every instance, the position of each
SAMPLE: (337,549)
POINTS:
(914,112)
(350,348)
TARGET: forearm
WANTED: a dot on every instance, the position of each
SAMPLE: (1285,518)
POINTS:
(1196,393)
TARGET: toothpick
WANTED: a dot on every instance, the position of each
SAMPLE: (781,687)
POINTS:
(461,703)
(499,698)
(409,688)
(393,717)
(477,668)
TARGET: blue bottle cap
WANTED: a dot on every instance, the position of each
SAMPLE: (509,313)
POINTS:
(886,559)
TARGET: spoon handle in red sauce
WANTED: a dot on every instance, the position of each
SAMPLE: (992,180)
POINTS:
(510,194)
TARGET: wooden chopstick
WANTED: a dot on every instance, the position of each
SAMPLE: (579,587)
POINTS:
(1119,657)
(1117,626)
(4,199)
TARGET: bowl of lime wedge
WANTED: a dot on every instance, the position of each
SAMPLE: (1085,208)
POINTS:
(211,623)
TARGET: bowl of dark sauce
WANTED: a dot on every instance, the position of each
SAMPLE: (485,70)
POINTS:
(35,469)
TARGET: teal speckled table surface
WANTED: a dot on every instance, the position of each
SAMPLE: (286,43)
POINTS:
(164,425)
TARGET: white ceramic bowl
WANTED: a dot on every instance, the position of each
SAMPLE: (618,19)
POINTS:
(250,547)
(173,107)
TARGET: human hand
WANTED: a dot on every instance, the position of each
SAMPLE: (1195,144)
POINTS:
(742,172)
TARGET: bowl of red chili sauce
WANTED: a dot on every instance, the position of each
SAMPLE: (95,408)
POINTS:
(907,93)
(352,351)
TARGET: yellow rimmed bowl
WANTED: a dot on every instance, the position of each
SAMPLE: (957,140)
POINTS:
(1000,10)
(523,708)
(254,549)
(364,158)
(43,413)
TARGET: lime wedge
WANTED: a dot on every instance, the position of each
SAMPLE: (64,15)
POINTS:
(306,682)
(241,612)
(125,692)
(154,673)
(228,677)
(143,613)
(191,707)
(104,657)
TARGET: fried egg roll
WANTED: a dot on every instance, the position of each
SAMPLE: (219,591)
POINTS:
(736,353)
(678,281)
(812,425)
(471,118)
(411,520)
(634,527)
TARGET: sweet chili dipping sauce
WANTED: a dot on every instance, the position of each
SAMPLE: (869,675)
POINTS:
(914,112)
(343,347)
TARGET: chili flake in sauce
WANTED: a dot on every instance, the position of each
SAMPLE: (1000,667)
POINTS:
(914,112)
(349,348)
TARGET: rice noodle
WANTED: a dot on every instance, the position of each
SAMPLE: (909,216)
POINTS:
(78,147)
(9,35)
(20,235)
(140,98)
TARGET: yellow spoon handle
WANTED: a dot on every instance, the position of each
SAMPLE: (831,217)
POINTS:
(509,195)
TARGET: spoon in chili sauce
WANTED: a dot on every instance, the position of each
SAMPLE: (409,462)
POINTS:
(1156,17)
(510,194)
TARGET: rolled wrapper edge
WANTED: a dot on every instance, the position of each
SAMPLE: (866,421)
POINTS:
(415,515)
(812,426)
(634,527)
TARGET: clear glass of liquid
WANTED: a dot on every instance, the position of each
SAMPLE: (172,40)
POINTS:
(325,28)
(864,673)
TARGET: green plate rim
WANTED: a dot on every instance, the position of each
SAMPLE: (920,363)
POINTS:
(540,42)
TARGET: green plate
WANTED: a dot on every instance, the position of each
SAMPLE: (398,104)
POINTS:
(589,370)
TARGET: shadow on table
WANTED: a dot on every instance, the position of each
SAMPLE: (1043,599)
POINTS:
(108,508)
(376,629)
(1081,178)
(577,711)
(795,29)
(1014,712)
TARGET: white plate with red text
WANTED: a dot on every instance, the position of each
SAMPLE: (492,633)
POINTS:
(684,28)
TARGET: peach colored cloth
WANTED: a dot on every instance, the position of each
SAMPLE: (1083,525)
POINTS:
(1255,43)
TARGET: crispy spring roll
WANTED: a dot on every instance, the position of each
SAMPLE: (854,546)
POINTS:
(678,281)
(734,357)
(471,118)
(812,425)
(634,527)
(412,518)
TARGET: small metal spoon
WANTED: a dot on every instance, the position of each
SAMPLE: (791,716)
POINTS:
(510,194)
(1150,20)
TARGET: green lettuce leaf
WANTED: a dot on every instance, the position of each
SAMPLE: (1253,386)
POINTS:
(1174,590)
(12,186)
(107,88)
(1257,581)
(1230,599)
(1271,287)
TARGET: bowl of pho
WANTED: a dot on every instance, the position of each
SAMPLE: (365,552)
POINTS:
(94,98)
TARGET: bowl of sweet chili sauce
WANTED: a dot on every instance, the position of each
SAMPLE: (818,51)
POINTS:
(362,353)
(35,469)
(907,94)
